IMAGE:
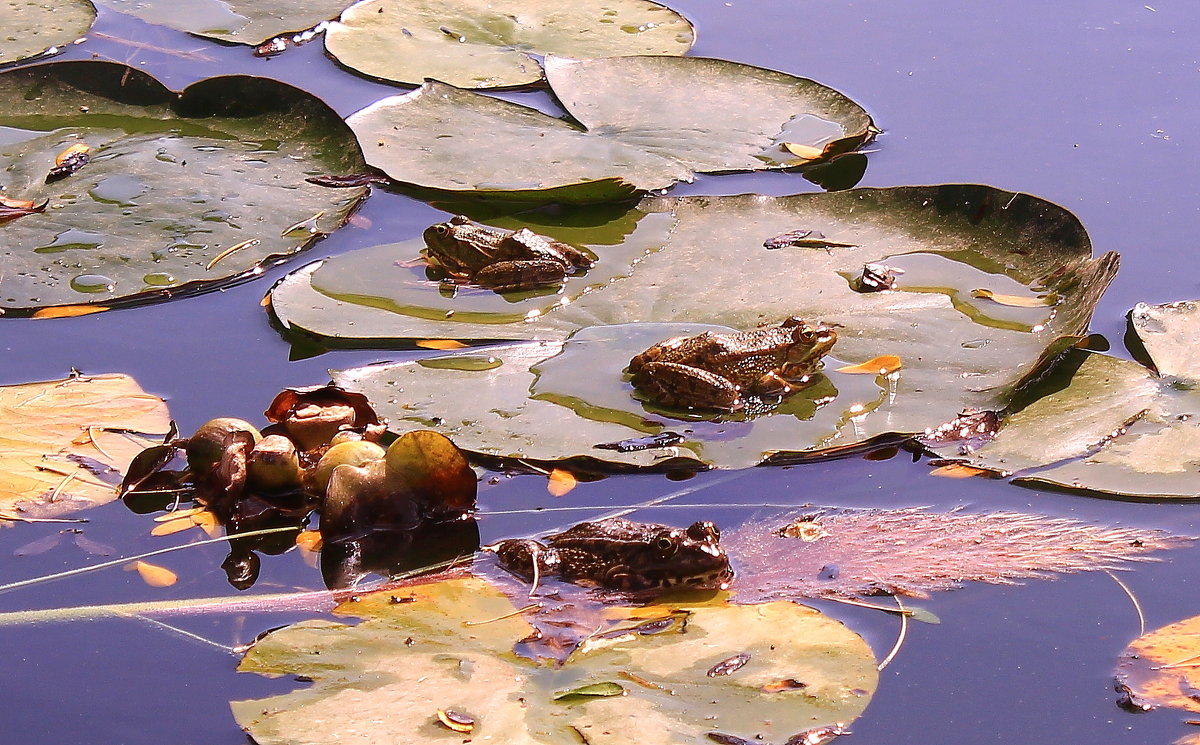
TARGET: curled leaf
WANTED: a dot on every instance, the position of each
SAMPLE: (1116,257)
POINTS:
(456,720)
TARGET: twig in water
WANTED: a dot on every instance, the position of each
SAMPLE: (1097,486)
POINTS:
(1136,605)
(899,638)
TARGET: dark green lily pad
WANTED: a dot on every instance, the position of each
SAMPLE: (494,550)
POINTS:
(236,21)
(491,43)
(650,121)
(450,649)
(702,260)
(1110,426)
(173,182)
(28,28)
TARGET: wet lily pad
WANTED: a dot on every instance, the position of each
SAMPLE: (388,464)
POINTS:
(649,121)
(1111,426)
(30,28)
(701,260)
(492,43)
(178,191)
(236,21)
(387,678)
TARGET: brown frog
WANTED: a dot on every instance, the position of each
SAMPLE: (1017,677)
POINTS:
(620,554)
(718,370)
(498,259)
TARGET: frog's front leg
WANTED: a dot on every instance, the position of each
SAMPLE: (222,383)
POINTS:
(523,274)
(525,557)
(673,384)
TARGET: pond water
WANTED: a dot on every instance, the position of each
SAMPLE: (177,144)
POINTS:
(1091,105)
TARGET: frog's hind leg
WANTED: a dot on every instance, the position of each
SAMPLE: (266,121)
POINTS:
(673,384)
(507,276)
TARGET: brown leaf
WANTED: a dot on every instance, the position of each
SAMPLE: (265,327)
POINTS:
(69,311)
(153,574)
(11,209)
(957,471)
(560,482)
(309,540)
(173,526)
(915,552)
(64,443)
(884,364)
(435,469)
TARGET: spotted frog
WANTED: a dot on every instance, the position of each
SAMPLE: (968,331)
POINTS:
(498,259)
(719,370)
(620,554)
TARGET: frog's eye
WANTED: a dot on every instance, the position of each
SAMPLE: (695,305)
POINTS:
(806,334)
(665,543)
(441,228)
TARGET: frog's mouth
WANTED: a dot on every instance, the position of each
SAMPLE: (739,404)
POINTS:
(718,578)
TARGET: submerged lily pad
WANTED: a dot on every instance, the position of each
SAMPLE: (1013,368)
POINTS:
(29,28)
(701,260)
(448,649)
(492,43)
(650,121)
(178,191)
(1110,426)
(236,21)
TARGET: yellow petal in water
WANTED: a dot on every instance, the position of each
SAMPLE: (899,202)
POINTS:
(153,574)
(560,482)
(884,364)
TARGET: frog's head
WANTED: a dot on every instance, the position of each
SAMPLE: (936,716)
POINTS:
(444,237)
(810,342)
(680,558)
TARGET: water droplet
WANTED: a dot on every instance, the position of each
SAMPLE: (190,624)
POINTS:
(70,240)
(118,189)
(92,283)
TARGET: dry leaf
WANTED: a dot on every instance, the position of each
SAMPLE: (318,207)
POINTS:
(73,151)
(1016,301)
(11,209)
(207,522)
(957,471)
(1162,668)
(884,364)
(441,344)
(65,443)
(153,574)
(172,526)
(309,540)
(807,152)
(915,552)
(69,311)
(560,482)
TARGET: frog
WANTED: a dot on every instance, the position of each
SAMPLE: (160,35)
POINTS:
(500,260)
(719,370)
(623,555)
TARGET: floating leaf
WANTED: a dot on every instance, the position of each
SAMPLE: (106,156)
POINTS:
(393,671)
(491,43)
(172,527)
(153,574)
(548,400)
(66,442)
(456,721)
(1162,668)
(885,364)
(440,344)
(68,311)
(602,690)
(1016,301)
(309,540)
(249,22)
(31,28)
(648,121)
(560,482)
(182,191)
(957,471)
(916,552)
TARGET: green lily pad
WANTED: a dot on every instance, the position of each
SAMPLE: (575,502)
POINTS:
(30,28)
(176,183)
(701,260)
(236,21)
(386,679)
(1110,426)
(650,121)
(491,43)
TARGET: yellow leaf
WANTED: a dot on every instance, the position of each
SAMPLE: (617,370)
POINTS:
(884,364)
(807,152)
(560,482)
(69,311)
(456,721)
(153,574)
(54,433)
(76,149)
(168,516)
(1016,301)
(309,540)
(957,471)
(441,344)
(207,522)
(173,526)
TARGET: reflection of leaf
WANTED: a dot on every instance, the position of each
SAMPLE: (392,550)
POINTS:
(236,21)
(489,43)
(915,552)
(958,352)
(64,443)
(32,27)
(650,120)
(369,673)
(1108,425)
(173,182)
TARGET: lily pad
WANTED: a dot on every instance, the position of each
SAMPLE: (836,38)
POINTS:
(387,678)
(701,260)
(30,28)
(492,43)
(235,21)
(1111,426)
(65,443)
(650,121)
(179,192)
(1159,668)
